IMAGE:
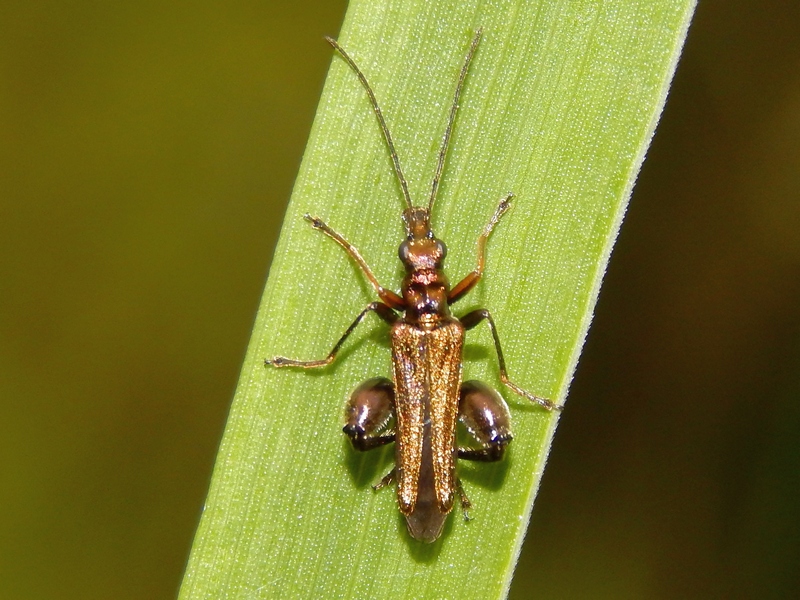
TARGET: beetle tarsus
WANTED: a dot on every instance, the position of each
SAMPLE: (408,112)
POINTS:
(466,505)
(502,208)
(386,480)
(316,222)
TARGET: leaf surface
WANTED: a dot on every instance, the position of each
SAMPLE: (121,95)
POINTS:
(559,107)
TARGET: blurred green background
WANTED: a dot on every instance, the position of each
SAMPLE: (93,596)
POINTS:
(147,152)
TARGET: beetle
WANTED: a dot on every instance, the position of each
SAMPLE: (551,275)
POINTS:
(418,409)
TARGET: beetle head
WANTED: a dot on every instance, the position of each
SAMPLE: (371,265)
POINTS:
(420,250)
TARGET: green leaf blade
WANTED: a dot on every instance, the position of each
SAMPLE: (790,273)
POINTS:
(559,107)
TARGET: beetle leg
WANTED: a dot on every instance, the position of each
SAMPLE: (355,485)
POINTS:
(485,415)
(387,479)
(388,296)
(369,410)
(463,287)
(472,319)
(465,503)
(381,309)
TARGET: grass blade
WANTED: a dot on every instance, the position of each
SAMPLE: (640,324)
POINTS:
(559,107)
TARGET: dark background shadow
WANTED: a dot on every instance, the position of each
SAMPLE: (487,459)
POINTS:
(146,156)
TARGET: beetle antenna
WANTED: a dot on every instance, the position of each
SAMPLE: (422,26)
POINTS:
(453,110)
(362,78)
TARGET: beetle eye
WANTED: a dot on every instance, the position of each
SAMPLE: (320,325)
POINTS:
(441,248)
(403,252)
